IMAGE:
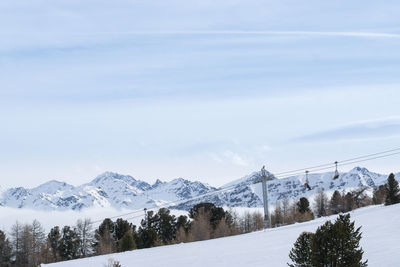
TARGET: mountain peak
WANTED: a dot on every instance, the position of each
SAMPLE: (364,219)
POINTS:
(157,183)
(359,169)
(52,186)
(113,176)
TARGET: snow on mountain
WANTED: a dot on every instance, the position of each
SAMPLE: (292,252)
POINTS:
(106,190)
(125,192)
(247,194)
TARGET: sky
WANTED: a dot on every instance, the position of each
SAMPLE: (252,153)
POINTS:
(205,90)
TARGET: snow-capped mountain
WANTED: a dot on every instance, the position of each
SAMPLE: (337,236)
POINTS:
(123,191)
(106,190)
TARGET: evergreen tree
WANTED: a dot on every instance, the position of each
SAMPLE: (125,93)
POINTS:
(127,242)
(392,191)
(348,202)
(69,244)
(336,203)
(107,226)
(215,213)
(5,250)
(303,205)
(121,227)
(184,222)
(54,238)
(165,225)
(379,195)
(301,252)
(346,240)
(147,237)
(333,245)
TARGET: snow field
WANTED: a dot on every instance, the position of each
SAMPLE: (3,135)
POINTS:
(380,241)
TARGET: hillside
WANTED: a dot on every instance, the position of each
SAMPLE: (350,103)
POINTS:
(380,241)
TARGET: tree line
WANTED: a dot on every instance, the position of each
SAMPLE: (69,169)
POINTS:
(28,245)
(340,202)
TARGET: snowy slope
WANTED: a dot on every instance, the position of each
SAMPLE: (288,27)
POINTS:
(125,192)
(380,241)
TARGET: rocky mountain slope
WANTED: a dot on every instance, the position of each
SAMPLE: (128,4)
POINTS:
(123,191)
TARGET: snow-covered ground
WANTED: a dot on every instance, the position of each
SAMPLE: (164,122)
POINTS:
(380,241)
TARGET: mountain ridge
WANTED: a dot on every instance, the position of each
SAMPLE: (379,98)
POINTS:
(120,191)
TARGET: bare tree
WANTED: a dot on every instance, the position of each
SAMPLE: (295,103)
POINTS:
(321,204)
(16,240)
(85,234)
(285,210)
(106,243)
(38,241)
(222,229)
(26,246)
(277,215)
(201,228)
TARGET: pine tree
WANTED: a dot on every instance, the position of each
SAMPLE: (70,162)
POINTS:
(5,250)
(183,222)
(147,237)
(301,252)
(379,195)
(69,244)
(346,241)
(348,202)
(322,247)
(303,205)
(215,213)
(333,245)
(127,242)
(336,203)
(165,225)
(392,191)
(54,238)
(121,227)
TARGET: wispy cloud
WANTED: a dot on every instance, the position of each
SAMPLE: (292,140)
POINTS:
(365,130)
(250,32)
(231,157)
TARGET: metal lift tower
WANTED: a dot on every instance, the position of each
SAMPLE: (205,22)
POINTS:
(263,179)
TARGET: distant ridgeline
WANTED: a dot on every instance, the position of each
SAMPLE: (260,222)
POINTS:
(123,191)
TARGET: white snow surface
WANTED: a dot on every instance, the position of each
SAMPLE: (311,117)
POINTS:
(380,242)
